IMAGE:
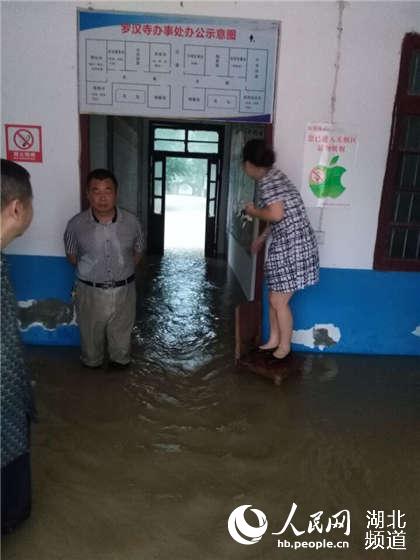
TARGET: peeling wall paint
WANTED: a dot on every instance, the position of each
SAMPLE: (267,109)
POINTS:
(319,336)
(416,331)
(47,313)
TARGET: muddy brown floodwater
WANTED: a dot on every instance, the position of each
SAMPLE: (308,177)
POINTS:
(149,463)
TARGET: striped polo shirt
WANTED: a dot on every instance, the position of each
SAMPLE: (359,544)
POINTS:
(104,251)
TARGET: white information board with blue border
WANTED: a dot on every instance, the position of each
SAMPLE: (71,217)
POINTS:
(172,66)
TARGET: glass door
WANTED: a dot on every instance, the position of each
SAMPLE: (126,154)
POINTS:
(185,162)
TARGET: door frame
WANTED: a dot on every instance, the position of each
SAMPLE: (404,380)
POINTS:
(84,160)
(156,226)
(248,316)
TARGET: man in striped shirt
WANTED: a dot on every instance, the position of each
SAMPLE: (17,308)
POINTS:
(105,243)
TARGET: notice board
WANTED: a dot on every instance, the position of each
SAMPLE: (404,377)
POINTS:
(174,66)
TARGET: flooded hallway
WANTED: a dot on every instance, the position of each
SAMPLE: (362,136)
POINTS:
(150,462)
(202,446)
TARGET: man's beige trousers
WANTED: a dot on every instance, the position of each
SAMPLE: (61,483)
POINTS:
(105,316)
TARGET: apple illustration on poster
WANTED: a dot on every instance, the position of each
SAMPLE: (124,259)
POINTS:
(325,181)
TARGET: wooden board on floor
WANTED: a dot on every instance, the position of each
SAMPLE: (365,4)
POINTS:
(249,358)
(264,364)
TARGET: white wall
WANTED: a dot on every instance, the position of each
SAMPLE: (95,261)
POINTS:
(39,86)
(367,84)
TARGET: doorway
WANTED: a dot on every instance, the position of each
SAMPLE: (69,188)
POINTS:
(185,205)
(184,192)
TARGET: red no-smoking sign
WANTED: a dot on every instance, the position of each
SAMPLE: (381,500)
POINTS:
(23,142)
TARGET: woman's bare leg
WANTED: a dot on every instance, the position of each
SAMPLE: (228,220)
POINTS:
(280,302)
(274,339)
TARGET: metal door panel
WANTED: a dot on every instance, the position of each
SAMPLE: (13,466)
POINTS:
(156,229)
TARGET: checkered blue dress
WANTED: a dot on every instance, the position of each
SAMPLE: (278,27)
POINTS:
(292,261)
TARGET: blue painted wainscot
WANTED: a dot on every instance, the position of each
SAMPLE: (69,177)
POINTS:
(349,311)
(43,287)
(356,312)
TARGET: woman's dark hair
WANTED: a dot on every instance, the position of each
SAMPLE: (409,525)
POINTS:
(258,153)
(101,175)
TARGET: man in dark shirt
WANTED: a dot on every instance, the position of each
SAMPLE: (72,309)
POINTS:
(16,396)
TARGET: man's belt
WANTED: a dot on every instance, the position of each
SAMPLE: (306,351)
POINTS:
(110,284)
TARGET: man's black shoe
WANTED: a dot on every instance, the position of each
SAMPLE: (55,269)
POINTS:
(91,367)
(118,365)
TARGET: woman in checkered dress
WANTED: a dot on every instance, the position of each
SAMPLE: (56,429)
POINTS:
(292,261)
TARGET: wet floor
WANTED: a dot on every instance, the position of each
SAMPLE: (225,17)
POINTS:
(149,463)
